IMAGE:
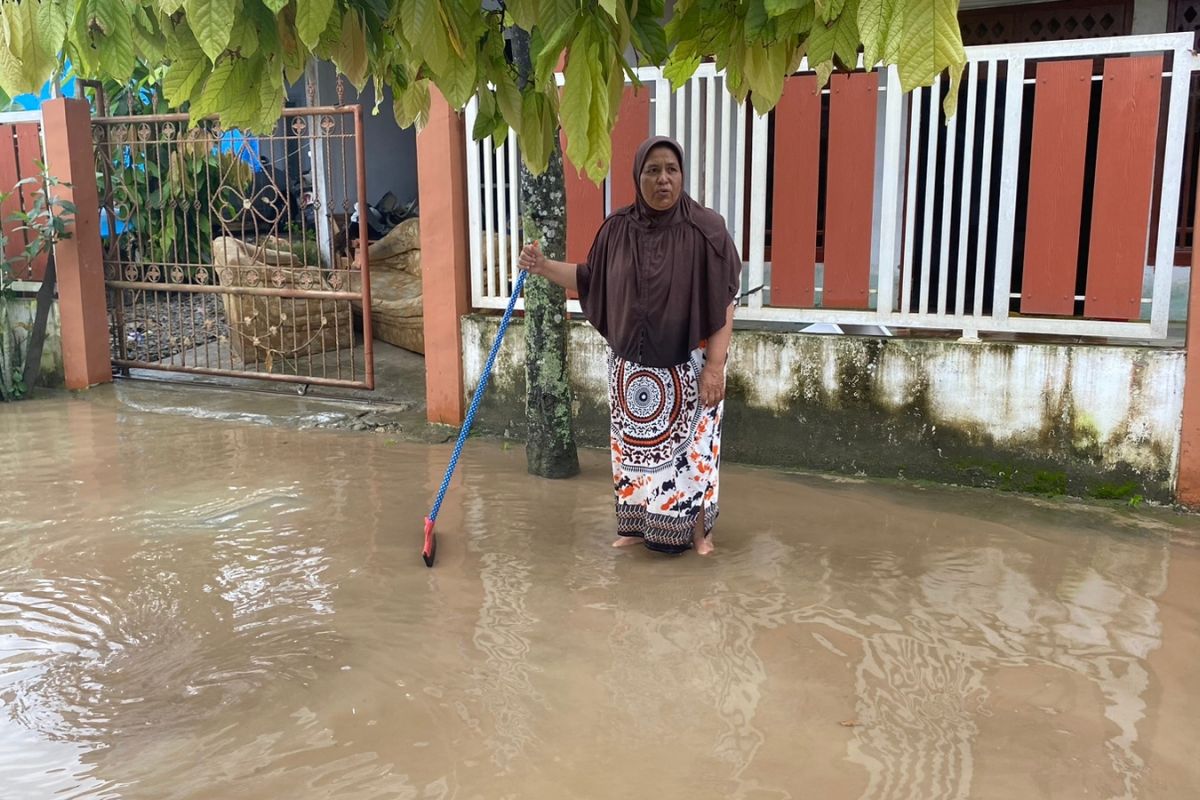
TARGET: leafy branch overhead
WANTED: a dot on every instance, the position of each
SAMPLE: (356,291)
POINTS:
(235,57)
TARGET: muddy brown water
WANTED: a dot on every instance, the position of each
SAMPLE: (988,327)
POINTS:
(198,609)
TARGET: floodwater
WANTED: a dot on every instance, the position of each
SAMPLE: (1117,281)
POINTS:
(196,609)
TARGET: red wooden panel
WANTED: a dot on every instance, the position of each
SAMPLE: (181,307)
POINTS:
(1060,122)
(1126,148)
(29,152)
(794,202)
(9,175)
(632,128)
(585,210)
(850,187)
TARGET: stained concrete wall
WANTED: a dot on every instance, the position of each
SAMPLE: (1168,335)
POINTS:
(1082,420)
(20,314)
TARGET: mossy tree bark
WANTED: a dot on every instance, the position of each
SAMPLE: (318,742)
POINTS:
(37,337)
(550,443)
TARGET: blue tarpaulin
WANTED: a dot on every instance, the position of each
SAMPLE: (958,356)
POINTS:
(32,102)
(243,146)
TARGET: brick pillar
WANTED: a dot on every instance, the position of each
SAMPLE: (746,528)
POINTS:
(1187,484)
(445,258)
(79,261)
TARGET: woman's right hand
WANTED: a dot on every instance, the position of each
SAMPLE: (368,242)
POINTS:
(532,260)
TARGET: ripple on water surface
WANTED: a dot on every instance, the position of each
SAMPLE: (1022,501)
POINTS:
(194,609)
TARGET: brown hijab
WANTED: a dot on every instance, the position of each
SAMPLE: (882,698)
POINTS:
(657,283)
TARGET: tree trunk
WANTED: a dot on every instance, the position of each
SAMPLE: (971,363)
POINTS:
(550,440)
(37,337)
(8,365)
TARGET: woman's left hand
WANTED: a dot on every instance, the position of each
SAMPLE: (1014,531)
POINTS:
(712,386)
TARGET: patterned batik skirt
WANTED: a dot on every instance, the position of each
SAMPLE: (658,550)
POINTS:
(666,451)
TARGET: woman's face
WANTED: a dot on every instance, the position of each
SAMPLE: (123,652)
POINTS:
(662,178)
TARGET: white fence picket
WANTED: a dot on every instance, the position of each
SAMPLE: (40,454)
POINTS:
(727,147)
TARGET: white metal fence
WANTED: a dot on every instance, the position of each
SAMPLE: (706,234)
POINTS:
(720,139)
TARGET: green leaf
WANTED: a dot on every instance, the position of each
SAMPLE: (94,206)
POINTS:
(352,57)
(329,38)
(829,10)
(797,22)
(211,99)
(243,93)
(458,82)
(574,114)
(109,25)
(733,60)
(756,18)
(599,116)
(777,8)
(270,100)
(312,18)
(187,69)
(823,70)
(874,26)
(845,41)
(624,29)
(931,43)
(211,22)
(508,99)
(147,38)
(537,131)
(52,17)
(485,119)
(950,103)
(765,72)
(650,39)
(499,133)
(553,14)
(266,24)
(422,23)
(616,93)
(295,55)
(243,38)
(275,5)
(678,72)
(820,43)
(523,12)
(546,59)
(21,59)
(684,22)
(493,65)
(410,105)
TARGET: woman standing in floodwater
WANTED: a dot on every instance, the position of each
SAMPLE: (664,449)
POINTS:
(660,284)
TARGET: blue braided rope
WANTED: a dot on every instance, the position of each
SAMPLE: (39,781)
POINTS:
(479,390)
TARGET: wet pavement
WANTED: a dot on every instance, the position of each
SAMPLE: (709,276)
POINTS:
(205,608)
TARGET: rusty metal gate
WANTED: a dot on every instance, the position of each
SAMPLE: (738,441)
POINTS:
(235,255)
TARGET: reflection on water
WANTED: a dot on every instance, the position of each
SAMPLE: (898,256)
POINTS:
(190,609)
(502,684)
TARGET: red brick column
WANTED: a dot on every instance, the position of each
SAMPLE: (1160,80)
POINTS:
(79,261)
(1187,485)
(445,258)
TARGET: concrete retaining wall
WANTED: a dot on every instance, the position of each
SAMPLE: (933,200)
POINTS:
(20,313)
(1099,421)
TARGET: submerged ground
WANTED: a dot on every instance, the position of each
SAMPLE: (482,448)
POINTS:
(199,608)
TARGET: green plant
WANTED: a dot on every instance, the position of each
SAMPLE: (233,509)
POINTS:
(1115,491)
(44,221)
(234,58)
(173,193)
